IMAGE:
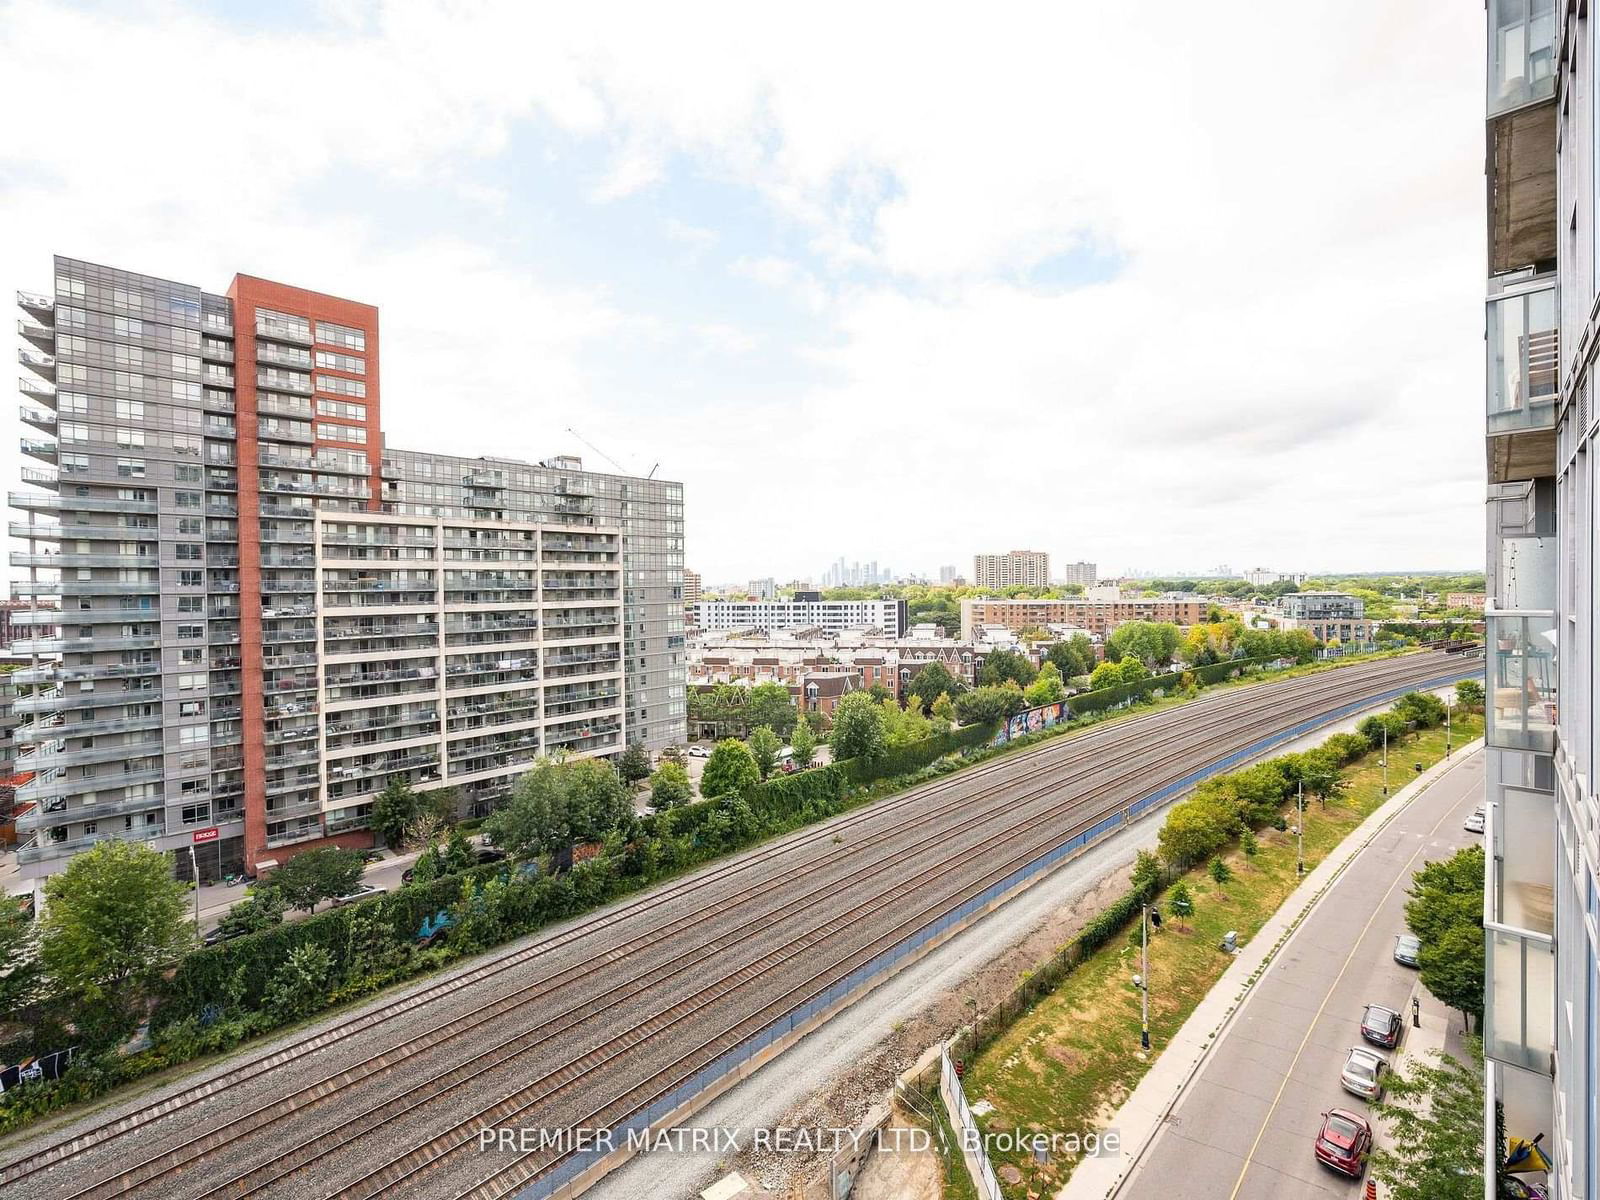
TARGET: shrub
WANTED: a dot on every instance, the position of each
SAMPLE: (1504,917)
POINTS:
(1248,843)
(1179,902)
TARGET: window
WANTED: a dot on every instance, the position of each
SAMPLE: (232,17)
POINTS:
(130,410)
(341,335)
(186,473)
(194,735)
(72,402)
(270,323)
(127,327)
(190,605)
(130,468)
(191,633)
(191,683)
(72,464)
(190,657)
(73,431)
(133,495)
(194,814)
(129,439)
(186,443)
(328,432)
(340,386)
(189,525)
(341,408)
(189,551)
(186,499)
(191,578)
(341,362)
(191,708)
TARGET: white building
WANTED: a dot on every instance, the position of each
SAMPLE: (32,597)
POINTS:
(832,616)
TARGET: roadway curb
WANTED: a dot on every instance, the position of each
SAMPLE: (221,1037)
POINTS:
(1145,1111)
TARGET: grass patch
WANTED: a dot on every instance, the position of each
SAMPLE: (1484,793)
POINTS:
(1067,1065)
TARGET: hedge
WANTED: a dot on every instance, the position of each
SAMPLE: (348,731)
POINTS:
(903,760)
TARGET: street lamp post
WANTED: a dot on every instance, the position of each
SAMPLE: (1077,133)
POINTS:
(1300,826)
(1386,759)
(1448,705)
(1144,976)
(194,871)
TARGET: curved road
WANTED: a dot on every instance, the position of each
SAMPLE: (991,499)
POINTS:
(584,1023)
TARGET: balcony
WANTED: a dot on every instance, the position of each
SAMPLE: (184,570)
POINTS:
(1521,684)
(39,418)
(1522,53)
(42,819)
(44,451)
(57,562)
(1522,190)
(41,364)
(45,850)
(37,303)
(1519,988)
(296,332)
(34,502)
(43,788)
(1523,384)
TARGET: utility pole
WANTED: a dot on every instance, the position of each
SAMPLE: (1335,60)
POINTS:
(194,870)
(1300,828)
(1448,705)
(1386,759)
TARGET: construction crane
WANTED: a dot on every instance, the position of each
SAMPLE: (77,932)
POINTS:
(608,457)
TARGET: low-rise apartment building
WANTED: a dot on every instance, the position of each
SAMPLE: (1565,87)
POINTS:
(1327,616)
(1098,617)
(832,616)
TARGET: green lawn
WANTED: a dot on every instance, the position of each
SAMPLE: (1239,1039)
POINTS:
(1068,1064)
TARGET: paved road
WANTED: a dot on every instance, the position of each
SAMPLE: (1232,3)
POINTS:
(1244,1129)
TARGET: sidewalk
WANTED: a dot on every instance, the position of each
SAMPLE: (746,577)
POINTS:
(1141,1118)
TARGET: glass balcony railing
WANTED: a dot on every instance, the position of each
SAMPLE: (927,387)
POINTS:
(1521,670)
(1519,998)
(1524,362)
(1522,53)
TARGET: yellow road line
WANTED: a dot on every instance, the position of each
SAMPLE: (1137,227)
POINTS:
(1403,873)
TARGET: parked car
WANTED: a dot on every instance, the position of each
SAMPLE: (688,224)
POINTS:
(366,891)
(1344,1141)
(1381,1026)
(1406,948)
(1363,1073)
(220,934)
(1474,823)
(699,751)
(490,854)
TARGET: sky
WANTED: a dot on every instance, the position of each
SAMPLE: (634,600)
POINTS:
(895,282)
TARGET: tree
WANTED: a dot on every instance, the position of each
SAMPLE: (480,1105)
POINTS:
(1002,665)
(393,810)
(1445,911)
(670,787)
(113,921)
(323,873)
(1434,1111)
(1179,902)
(633,764)
(1154,643)
(804,744)
(858,730)
(1107,674)
(1046,688)
(300,984)
(944,710)
(1469,694)
(933,681)
(557,805)
(989,705)
(770,704)
(1452,968)
(1219,871)
(261,909)
(458,854)
(19,969)
(764,748)
(1426,709)
(1195,828)
(729,771)
(1073,657)
(1146,876)
(1248,843)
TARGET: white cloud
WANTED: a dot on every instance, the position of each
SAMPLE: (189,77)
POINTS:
(1285,370)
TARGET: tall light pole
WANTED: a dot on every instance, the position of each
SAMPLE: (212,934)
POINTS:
(1448,705)
(194,870)
(1300,826)
(1144,975)
(1385,758)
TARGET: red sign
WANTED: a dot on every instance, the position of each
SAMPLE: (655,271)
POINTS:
(205,835)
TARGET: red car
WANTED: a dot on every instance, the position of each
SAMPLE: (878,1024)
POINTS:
(1343,1142)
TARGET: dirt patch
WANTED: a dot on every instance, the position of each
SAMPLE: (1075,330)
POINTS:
(847,1098)
(895,1172)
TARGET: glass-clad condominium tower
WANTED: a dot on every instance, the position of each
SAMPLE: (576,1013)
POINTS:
(262,615)
(1540,912)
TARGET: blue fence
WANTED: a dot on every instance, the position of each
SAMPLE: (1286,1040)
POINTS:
(885,961)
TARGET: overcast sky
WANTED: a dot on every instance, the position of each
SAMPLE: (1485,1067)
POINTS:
(1156,284)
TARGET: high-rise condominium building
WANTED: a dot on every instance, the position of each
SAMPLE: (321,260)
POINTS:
(1082,573)
(265,615)
(1015,568)
(1541,915)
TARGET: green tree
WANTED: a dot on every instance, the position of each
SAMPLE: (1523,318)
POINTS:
(1147,872)
(1248,843)
(1426,709)
(770,704)
(1445,911)
(1469,694)
(113,921)
(804,744)
(1434,1111)
(19,968)
(1153,643)
(261,909)
(633,764)
(989,705)
(1073,657)
(1107,674)
(670,787)
(323,873)
(729,771)
(394,809)
(557,805)
(944,710)
(1132,670)
(933,681)
(1452,968)
(1193,829)
(1219,871)
(1002,665)
(858,730)
(300,985)
(765,747)
(1179,902)
(1046,688)
(458,854)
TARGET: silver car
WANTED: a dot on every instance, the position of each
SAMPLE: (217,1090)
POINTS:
(1406,949)
(1363,1073)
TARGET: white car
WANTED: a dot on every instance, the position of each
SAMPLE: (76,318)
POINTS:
(1363,1073)
(364,892)
(1474,823)
(699,751)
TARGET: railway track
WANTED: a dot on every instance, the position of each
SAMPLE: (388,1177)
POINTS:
(967,799)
